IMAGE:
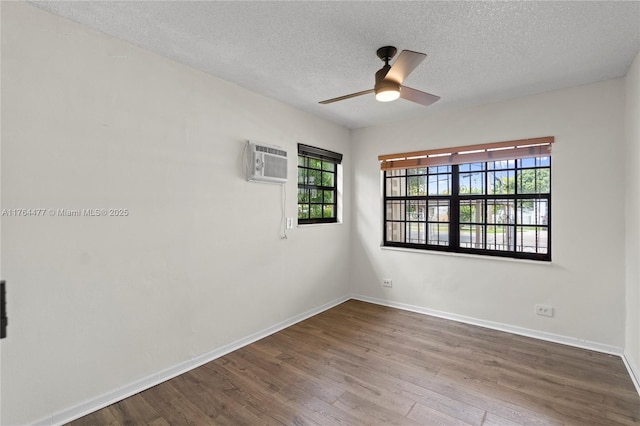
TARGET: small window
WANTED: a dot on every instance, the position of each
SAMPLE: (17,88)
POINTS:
(317,185)
(492,199)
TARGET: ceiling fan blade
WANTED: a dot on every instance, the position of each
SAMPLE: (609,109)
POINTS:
(404,65)
(418,96)
(342,98)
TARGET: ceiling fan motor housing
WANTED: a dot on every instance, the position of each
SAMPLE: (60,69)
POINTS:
(384,84)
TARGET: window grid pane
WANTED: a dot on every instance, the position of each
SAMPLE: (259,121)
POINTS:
(439,180)
(472,236)
(438,220)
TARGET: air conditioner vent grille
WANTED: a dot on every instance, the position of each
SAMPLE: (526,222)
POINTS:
(276,167)
(269,150)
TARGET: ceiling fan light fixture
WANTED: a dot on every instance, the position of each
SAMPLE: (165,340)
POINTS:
(388,94)
(387,90)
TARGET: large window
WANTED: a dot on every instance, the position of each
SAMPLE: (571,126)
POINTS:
(317,185)
(498,206)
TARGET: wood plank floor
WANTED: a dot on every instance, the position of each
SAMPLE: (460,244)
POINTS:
(364,364)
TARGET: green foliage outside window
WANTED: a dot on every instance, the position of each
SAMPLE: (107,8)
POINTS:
(317,189)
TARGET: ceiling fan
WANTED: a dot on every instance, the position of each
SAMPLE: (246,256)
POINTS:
(389,79)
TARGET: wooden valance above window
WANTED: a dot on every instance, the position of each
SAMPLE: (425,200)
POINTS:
(496,151)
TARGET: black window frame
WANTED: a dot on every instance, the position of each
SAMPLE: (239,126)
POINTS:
(485,199)
(314,162)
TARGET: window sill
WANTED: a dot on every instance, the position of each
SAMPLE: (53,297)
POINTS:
(312,225)
(468,256)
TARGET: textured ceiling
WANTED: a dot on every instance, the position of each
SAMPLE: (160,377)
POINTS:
(305,52)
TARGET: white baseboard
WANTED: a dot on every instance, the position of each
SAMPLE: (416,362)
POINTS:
(550,337)
(138,386)
(632,371)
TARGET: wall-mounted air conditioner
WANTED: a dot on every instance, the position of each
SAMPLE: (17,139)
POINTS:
(266,163)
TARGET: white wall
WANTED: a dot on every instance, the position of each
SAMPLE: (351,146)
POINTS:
(97,303)
(585,281)
(632,232)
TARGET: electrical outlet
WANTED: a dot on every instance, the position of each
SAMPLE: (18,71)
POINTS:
(544,310)
(386,282)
